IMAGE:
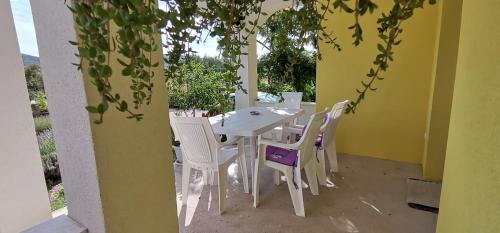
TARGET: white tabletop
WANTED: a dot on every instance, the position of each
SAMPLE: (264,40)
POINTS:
(242,123)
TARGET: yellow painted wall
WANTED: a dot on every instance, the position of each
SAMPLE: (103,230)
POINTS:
(442,90)
(134,160)
(391,122)
(470,199)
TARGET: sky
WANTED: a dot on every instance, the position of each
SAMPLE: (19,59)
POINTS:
(25,30)
(21,10)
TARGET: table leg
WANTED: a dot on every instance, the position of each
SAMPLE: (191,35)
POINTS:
(253,155)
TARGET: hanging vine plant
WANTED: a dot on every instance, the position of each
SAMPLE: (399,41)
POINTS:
(128,28)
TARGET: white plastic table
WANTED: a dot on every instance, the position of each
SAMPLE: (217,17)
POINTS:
(242,123)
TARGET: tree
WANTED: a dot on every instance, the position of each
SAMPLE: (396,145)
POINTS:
(287,66)
(210,62)
(33,75)
(196,88)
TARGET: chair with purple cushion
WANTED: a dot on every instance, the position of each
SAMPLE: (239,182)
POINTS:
(325,143)
(290,159)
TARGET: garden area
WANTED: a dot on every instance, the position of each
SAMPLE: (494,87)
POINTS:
(46,143)
(283,66)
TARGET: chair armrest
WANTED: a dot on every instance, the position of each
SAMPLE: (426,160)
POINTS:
(293,146)
(292,130)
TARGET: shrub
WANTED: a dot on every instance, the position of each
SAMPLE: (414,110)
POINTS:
(42,124)
(33,75)
(273,66)
(41,101)
(56,197)
(49,162)
(197,87)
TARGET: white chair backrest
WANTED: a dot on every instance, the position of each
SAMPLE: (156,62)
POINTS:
(198,143)
(333,121)
(310,135)
(291,100)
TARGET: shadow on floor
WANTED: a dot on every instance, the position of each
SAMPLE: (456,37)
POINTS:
(369,195)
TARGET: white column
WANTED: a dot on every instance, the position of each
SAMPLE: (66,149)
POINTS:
(70,122)
(248,75)
(118,176)
(23,194)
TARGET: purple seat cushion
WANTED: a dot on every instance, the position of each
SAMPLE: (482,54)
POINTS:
(319,140)
(280,155)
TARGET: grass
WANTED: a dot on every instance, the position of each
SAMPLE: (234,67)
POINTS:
(42,124)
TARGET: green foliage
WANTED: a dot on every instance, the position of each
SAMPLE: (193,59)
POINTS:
(49,161)
(389,28)
(287,62)
(231,22)
(33,75)
(210,62)
(309,92)
(41,101)
(42,124)
(274,66)
(56,197)
(138,22)
(196,87)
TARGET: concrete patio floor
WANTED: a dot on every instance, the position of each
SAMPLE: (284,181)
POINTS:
(368,196)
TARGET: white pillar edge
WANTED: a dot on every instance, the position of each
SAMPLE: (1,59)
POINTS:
(248,73)
(24,199)
(70,122)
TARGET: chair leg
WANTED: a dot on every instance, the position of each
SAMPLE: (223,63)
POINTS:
(222,187)
(211,176)
(295,192)
(277,178)
(311,171)
(259,162)
(243,165)
(321,168)
(186,173)
(206,177)
(331,153)
(244,172)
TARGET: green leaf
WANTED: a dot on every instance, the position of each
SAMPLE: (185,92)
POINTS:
(92,72)
(92,52)
(127,71)
(381,48)
(106,71)
(123,106)
(91,109)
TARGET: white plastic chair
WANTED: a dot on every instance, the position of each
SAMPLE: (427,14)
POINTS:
(203,152)
(326,144)
(290,159)
(291,100)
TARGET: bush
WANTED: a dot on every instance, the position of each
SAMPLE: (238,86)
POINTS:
(42,124)
(273,66)
(33,75)
(41,101)
(49,162)
(197,87)
(56,197)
